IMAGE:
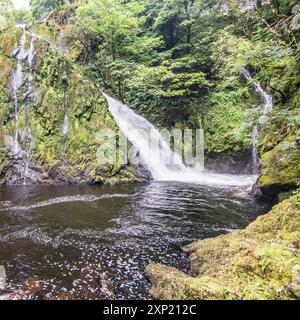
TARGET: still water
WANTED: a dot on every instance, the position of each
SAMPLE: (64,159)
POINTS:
(80,242)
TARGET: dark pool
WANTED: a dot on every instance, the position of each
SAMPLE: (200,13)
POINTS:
(80,242)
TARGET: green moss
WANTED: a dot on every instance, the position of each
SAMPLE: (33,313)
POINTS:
(227,125)
(280,167)
(59,87)
(5,162)
(260,262)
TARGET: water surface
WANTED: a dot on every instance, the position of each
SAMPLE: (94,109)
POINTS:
(80,242)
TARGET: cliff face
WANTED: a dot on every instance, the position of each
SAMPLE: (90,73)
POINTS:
(260,262)
(52,117)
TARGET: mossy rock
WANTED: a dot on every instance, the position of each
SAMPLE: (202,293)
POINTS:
(260,262)
(5,162)
(280,168)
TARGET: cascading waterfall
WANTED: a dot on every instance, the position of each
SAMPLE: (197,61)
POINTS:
(132,125)
(18,78)
(267,99)
(17,81)
(255,158)
(30,58)
(137,130)
(66,124)
(267,108)
(66,116)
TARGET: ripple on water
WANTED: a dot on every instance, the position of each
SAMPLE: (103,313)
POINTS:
(94,243)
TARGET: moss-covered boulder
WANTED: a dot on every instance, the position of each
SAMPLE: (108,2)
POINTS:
(279,150)
(260,262)
(280,167)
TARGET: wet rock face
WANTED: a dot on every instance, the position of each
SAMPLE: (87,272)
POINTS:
(230,163)
(36,147)
(143,173)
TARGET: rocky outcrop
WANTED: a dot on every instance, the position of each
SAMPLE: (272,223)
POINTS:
(230,163)
(60,113)
(260,262)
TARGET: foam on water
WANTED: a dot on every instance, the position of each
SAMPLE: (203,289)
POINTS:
(60,200)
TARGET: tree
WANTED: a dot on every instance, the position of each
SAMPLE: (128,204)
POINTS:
(5,5)
(41,8)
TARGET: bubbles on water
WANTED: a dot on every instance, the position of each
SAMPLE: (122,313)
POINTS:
(102,253)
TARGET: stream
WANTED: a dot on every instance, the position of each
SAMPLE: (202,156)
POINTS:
(80,242)
(84,242)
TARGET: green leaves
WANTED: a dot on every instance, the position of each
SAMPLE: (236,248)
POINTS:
(41,8)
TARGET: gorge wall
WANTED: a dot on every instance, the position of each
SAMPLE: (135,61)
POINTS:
(59,114)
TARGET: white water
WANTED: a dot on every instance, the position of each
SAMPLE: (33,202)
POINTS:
(66,199)
(137,130)
(66,125)
(66,116)
(30,58)
(18,78)
(17,81)
(267,99)
(267,108)
(255,158)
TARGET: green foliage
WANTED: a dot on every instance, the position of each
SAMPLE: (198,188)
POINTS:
(297,197)
(179,62)
(228,122)
(5,5)
(41,8)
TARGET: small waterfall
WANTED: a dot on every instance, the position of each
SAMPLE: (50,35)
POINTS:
(66,125)
(17,81)
(267,108)
(31,55)
(18,78)
(163,163)
(29,135)
(255,158)
(66,116)
(267,99)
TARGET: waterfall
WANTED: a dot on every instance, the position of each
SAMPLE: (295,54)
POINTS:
(66,117)
(267,108)
(30,58)
(163,163)
(132,125)
(255,158)
(17,81)
(267,99)
(66,124)
(18,78)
